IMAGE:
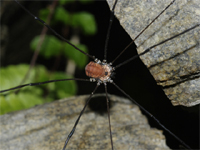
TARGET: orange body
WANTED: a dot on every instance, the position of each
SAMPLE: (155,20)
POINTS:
(94,70)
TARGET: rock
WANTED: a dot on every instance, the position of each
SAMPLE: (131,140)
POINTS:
(175,65)
(46,127)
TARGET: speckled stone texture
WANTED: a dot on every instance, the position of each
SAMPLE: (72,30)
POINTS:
(175,65)
(46,127)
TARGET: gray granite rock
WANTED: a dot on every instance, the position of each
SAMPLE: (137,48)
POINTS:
(46,127)
(175,65)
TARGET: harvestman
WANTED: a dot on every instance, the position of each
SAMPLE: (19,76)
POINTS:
(101,75)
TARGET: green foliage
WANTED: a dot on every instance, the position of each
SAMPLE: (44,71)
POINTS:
(61,15)
(85,21)
(27,97)
(79,58)
(52,46)
(12,76)
(64,88)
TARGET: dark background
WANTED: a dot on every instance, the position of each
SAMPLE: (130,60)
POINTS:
(133,78)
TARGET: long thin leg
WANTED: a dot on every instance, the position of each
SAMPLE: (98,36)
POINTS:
(142,31)
(109,28)
(108,110)
(148,49)
(74,128)
(40,83)
(151,116)
(58,35)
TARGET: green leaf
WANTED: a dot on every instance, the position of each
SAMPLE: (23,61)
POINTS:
(30,96)
(12,75)
(85,21)
(50,47)
(64,88)
(59,15)
(29,100)
(43,14)
(14,102)
(62,15)
(41,73)
(4,106)
(79,58)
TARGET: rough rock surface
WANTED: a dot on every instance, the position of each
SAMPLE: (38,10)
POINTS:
(46,127)
(175,65)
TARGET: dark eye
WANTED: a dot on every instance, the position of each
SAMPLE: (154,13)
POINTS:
(106,73)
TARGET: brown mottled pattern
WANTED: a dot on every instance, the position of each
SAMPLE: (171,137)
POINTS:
(94,70)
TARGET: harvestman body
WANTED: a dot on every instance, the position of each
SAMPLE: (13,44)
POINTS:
(100,72)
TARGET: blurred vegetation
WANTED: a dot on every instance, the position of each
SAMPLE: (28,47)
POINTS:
(27,97)
(12,76)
